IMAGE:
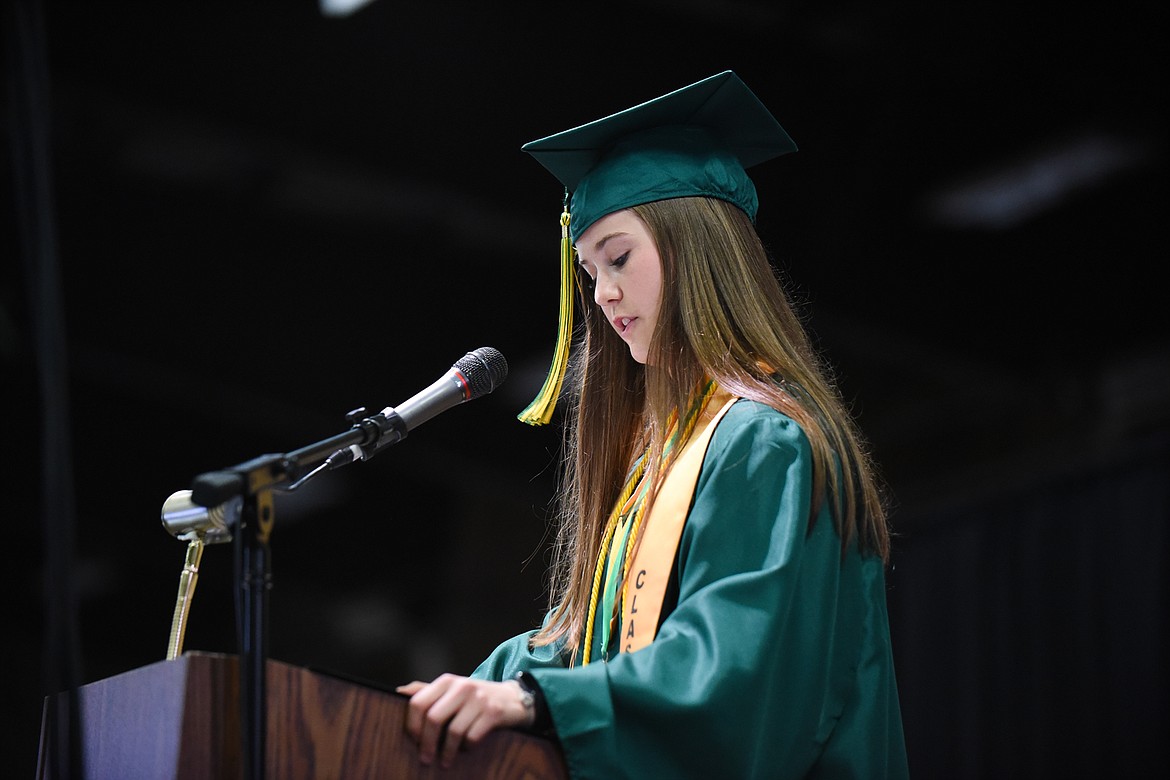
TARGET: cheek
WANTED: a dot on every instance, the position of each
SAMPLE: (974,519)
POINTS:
(654,292)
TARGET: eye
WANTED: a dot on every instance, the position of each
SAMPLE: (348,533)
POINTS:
(619,261)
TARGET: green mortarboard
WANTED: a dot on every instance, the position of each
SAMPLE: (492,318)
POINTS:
(694,141)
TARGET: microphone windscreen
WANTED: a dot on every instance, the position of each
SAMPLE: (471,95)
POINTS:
(485,369)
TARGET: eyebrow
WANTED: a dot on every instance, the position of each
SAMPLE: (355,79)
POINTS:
(605,239)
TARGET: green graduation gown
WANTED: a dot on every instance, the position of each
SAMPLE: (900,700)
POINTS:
(774,659)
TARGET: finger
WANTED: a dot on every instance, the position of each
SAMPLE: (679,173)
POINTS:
(411,688)
(458,733)
(489,706)
(494,717)
(434,724)
(421,701)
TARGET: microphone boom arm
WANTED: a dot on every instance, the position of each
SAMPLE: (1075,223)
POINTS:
(475,374)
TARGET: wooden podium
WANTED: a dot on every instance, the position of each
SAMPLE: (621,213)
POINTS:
(181,719)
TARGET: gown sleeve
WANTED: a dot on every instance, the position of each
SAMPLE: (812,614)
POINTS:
(776,660)
(515,655)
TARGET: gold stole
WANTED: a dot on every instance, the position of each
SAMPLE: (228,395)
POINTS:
(645,585)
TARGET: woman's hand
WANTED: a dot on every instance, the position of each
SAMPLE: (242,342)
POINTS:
(468,709)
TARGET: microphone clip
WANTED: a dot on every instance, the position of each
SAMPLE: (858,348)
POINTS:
(368,435)
(378,431)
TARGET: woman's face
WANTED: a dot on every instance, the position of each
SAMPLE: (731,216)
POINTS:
(619,255)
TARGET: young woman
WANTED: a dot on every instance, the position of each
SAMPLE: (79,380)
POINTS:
(718,599)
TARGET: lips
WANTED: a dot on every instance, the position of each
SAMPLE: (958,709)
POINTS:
(622,324)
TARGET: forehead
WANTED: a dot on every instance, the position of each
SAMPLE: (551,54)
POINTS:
(612,227)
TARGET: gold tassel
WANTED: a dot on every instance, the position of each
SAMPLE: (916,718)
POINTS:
(539,412)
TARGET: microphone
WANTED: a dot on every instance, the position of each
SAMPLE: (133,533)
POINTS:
(474,375)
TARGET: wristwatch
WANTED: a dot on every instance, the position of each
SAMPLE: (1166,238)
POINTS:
(533,700)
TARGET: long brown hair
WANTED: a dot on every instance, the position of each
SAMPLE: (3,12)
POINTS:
(723,315)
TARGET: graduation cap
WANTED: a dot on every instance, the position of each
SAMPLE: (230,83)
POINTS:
(695,141)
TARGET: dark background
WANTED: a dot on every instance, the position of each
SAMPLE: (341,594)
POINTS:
(231,223)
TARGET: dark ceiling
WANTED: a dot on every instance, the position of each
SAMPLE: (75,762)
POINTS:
(266,216)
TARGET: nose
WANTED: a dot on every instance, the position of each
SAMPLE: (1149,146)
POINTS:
(605,290)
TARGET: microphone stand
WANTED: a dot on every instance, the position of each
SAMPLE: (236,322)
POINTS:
(255,481)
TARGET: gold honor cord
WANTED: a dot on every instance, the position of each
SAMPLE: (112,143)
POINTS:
(632,483)
(633,498)
(627,520)
(187,581)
